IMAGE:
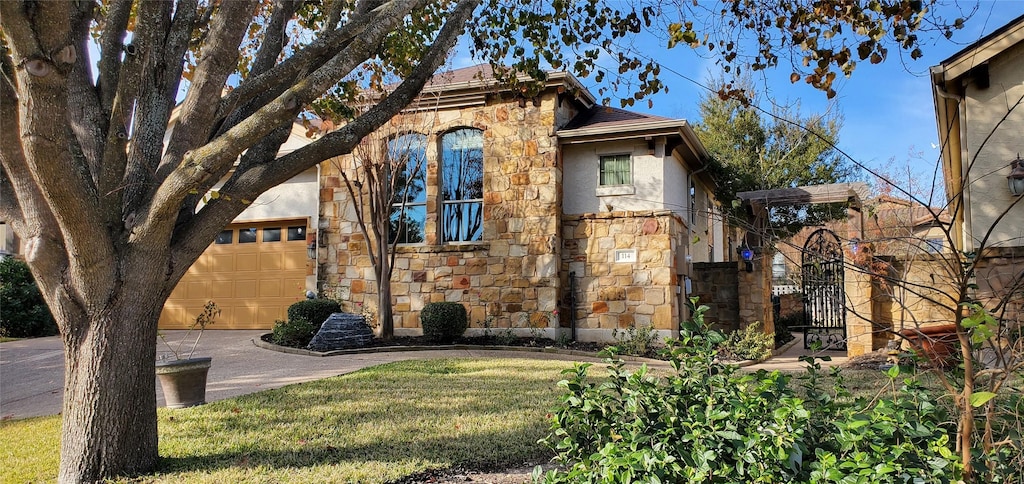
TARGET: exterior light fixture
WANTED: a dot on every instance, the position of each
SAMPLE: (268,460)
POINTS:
(311,250)
(747,254)
(1016,177)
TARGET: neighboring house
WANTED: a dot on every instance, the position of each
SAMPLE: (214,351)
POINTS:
(979,107)
(258,265)
(980,119)
(10,244)
(545,213)
(901,227)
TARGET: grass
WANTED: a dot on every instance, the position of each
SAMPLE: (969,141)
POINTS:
(4,339)
(375,425)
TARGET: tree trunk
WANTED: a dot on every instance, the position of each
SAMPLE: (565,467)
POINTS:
(110,425)
(385,315)
(384,310)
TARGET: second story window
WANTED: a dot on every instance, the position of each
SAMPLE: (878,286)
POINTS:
(407,160)
(462,185)
(616,170)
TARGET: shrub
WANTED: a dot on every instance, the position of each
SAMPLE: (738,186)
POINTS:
(635,341)
(710,422)
(443,321)
(785,325)
(314,311)
(296,332)
(750,343)
(23,312)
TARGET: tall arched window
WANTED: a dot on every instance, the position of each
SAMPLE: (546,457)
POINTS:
(462,185)
(408,166)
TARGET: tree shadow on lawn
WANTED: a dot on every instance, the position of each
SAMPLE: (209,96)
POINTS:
(481,415)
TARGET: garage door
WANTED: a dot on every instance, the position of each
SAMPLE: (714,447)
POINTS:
(253,271)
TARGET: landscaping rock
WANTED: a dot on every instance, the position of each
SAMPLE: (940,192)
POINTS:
(342,331)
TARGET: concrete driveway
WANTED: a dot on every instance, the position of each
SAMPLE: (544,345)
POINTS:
(32,370)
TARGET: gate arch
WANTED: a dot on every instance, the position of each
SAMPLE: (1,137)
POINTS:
(821,271)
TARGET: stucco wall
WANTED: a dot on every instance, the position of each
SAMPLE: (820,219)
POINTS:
(582,171)
(295,198)
(987,187)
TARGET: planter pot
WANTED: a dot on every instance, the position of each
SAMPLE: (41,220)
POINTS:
(184,381)
(938,343)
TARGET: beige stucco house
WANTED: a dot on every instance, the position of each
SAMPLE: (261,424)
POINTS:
(979,107)
(980,117)
(549,213)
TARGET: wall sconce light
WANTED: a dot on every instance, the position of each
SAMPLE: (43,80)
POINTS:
(854,245)
(747,254)
(311,250)
(1016,177)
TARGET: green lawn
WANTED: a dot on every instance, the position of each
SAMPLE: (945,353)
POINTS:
(375,425)
(4,339)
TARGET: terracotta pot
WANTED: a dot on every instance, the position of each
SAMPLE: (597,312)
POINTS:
(184,381)
(938,343)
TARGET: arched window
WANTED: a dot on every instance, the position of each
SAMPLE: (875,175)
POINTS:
(462,185)
(408,164)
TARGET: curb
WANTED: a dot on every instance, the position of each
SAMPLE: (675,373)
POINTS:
(522,349)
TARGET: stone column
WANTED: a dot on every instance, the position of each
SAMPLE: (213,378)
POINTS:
(858,312)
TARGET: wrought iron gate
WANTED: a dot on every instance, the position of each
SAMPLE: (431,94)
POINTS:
(824,297)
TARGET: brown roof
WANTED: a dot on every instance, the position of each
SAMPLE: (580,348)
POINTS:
(482,72)
(600,116)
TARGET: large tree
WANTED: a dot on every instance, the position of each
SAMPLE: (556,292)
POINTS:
(106,198)
(759,149)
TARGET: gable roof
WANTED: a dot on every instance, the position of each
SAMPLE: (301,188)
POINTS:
(607,116)
(469,86)
(980,51)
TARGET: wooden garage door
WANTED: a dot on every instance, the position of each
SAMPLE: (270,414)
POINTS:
(253,271)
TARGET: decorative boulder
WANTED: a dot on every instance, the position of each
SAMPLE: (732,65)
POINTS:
(342,331)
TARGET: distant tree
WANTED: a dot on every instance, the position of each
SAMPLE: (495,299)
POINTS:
(782,150)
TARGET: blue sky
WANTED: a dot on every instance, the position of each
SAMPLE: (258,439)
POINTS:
(887,108)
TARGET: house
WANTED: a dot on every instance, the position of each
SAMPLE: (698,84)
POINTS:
(259,264)
(979,113)
(979,110)
(549,213)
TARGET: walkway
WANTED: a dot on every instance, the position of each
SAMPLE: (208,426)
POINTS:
(32,371)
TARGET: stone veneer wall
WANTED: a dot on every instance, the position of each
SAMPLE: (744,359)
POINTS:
(1001,277)
(613,295)
(511,276)
(716,284)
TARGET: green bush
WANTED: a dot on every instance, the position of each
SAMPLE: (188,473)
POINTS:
(636,341)
(711,422)
(443,321)
(23,312)
(314,311)
(296,332)
(750,343)
(785,325)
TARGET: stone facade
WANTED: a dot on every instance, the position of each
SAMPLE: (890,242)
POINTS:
(507,279)
(716,285)
(517,275)
(640,291)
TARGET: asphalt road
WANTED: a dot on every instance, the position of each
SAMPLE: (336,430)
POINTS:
(32,370)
